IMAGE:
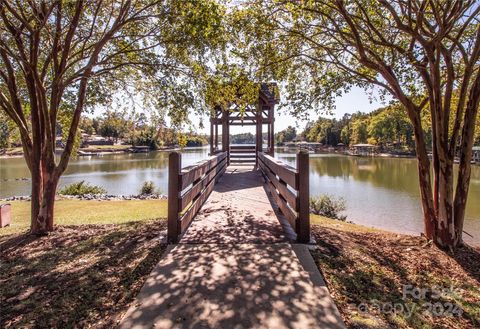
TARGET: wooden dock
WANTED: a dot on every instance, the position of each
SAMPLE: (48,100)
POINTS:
(238,211)
(234,265)
(234,221)
(248,197)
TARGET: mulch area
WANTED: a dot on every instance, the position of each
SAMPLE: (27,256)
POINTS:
(77,276)
(386,280)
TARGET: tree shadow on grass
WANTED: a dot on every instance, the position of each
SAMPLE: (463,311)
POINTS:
(366,270)
(77,276)
(469,259)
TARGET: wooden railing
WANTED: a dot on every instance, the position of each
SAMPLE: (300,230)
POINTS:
(289,188)
(189,188)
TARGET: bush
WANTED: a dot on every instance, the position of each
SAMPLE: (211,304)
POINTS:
(328,206)
(82,188)
(148,188)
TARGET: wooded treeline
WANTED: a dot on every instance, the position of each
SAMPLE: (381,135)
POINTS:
(388,127)
(134,129)
(138,130)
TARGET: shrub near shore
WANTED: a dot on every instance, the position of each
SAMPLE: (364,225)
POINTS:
(82,188)
(328,206)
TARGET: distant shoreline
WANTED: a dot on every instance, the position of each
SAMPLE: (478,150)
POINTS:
(96,197)
(93,151)
(347,153)
(98,151)
(124,149)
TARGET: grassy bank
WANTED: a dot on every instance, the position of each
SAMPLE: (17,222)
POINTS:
(85,273)
(367,272)
(76,212)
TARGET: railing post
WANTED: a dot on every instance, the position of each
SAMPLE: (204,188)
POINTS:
(174,167)
(212,147)
(303,220)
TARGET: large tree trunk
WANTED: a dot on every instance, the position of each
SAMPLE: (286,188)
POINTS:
(464,170)
(446,233)
(440,222)
(437,201)
(44,188)
(424,176)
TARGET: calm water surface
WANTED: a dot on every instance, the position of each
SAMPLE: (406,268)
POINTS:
(118,173)
(379,192)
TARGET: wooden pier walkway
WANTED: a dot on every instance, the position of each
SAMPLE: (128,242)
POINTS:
(238,211)
(236,264)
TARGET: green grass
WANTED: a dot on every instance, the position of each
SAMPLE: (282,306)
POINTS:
(77,212)
(340,225)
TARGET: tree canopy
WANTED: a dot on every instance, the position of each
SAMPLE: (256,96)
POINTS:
(420,52)
(61,58)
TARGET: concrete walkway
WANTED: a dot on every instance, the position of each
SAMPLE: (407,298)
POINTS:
(235,268)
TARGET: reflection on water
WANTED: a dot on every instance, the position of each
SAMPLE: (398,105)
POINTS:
(118,173)
(380,192)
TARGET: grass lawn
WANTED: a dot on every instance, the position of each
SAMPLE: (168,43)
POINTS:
(367,270)
(84,274)
(76,212)
(88,271)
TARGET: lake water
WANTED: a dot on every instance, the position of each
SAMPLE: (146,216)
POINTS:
(379,192)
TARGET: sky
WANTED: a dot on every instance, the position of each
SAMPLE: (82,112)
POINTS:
(356,100)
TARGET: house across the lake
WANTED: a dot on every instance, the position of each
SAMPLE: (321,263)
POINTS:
(363,149)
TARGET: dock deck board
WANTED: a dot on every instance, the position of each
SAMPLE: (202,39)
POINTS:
(237,211)
(235,268)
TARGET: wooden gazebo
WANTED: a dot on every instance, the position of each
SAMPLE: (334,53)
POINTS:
(257,115)
(287,187)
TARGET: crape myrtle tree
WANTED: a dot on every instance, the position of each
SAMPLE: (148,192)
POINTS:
(423,53)
(59,58)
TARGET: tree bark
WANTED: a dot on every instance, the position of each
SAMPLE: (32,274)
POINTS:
(44,188)
(425,183)
(446,234)
(465,167)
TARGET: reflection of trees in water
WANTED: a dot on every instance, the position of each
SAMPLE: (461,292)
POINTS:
(121,162)
(13,168)
(390,173)
(393,174)
(111,165)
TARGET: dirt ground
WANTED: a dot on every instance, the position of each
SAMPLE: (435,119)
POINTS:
(385,280)
(78,276)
